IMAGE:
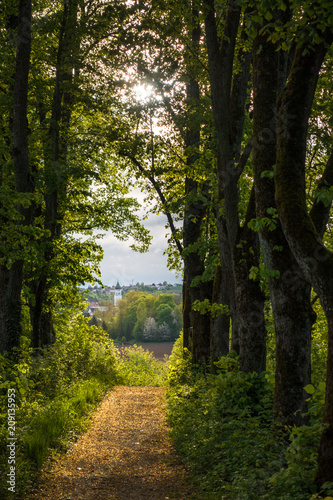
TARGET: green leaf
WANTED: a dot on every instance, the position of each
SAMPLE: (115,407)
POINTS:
(254,272)
(322,386)
(269,174)
(309,389)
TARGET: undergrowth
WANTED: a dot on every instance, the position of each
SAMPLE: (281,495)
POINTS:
(139,367)
(223,428)
(56,392)
(221,424)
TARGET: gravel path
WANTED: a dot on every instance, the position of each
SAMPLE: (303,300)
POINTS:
(126,454)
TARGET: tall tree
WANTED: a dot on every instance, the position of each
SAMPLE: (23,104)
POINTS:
(182,113)
(289,290)
(315,260)
(55,175)
(229,94)
(11,272)
(199,325)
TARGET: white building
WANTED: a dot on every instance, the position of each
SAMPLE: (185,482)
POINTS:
(94,306)
(117,293)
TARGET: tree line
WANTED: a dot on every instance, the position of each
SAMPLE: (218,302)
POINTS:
(240,164)
(143,317)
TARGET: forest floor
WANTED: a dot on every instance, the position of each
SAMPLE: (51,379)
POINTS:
(126,454)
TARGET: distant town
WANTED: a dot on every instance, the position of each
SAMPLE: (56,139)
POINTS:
(97,295)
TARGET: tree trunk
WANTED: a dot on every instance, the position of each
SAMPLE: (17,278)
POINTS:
(250,299)
(315,260)
(194,267)
(220,75)
(227,276)
(290,293)
(220,325)
(187,335)
(12,279)
(325,456)
(56,162)
(10,308)
(199,329)
(41,315)
(228,103)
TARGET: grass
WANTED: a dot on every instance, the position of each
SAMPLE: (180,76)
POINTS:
(54,425)
(49,426)
(139,367)
(58,391)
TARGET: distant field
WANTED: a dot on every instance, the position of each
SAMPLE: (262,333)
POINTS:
(158,349)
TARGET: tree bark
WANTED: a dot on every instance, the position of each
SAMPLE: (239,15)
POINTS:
(220,325)
(290,293)
(187,332)
(315,260)
(228,103)
(198,333)
(12,278)
(227,271)
(250,299)
(194,267)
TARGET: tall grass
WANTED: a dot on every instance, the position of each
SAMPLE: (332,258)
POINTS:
(52,426)
(139,367)
(55,392)
(58,390)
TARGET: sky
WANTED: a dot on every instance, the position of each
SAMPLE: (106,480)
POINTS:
(121,263)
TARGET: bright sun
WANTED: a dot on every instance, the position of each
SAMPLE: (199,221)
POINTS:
(143,92)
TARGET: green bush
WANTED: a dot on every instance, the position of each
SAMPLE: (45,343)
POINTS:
(55,393)
(223,428)
(137,366)
(179,364)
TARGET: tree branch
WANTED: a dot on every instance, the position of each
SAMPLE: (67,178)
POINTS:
(239,94)
(244,158)
(319,212)
(152,180)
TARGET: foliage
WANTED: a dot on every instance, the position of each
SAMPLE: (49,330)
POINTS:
(147,317)
(223,428)
(319,346)
(179,364)
(139,367)
(55,392)
(214,309)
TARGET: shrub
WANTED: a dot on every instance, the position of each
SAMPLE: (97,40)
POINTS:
(222,426)
(179,364)
(139,367)
(55,392)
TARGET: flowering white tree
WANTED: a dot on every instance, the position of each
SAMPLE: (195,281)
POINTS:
(165,332)
(150,330)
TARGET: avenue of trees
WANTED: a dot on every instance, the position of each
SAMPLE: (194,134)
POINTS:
(233,145)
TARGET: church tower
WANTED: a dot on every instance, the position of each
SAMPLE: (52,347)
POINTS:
(117,295)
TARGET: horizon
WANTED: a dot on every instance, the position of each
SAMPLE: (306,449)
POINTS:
(159,283)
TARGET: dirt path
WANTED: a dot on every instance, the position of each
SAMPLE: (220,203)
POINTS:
(126,454)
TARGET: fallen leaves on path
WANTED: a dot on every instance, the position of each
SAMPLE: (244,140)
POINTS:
(126,454)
